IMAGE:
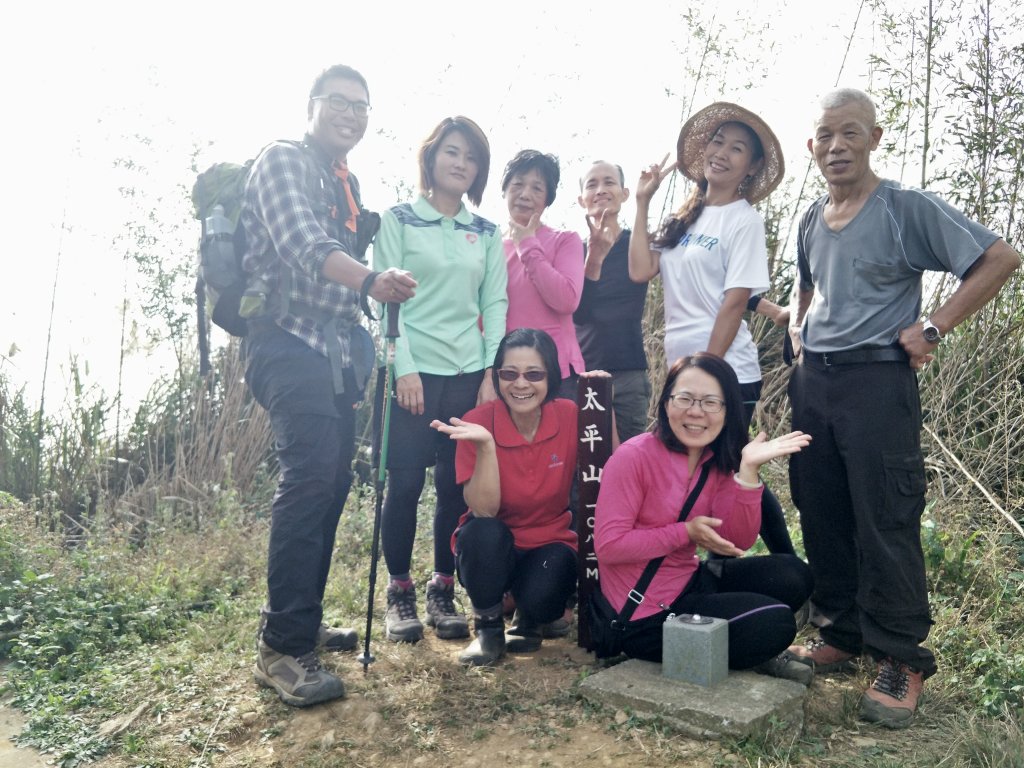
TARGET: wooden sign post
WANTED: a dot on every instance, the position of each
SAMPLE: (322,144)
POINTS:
(594,398)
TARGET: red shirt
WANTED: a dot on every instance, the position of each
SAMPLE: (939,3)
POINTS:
(535,477)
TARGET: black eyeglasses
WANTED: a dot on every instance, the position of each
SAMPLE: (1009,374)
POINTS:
(706,404)
(507,374)
(340,104)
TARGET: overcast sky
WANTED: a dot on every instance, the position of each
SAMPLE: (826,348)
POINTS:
(88,84)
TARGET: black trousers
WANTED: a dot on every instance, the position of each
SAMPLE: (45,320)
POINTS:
(489,564)
(314,435)
(756,595)
(860,489)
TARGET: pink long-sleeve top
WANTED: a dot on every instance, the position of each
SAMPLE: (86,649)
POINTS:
(643,487)
(545,282)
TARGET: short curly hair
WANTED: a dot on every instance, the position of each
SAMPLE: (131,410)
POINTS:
(532,159)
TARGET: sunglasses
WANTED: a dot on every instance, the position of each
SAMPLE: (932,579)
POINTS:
(507,374)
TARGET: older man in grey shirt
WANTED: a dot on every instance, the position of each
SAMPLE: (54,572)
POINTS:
(862,251)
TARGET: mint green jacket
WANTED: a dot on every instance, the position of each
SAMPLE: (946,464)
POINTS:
(454,322)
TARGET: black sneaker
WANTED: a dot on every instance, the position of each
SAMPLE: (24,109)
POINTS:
(441,613)
(401,624)
(522,636)
(300,681)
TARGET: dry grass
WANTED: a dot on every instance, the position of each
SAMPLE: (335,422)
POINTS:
(417,706)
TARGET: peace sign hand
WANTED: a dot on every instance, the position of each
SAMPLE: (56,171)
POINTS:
(601,236)
(651,178)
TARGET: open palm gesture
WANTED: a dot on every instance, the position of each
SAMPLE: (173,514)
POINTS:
(761,450)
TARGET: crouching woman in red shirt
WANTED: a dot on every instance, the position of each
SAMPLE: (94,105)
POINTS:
(700,429)
(515,460)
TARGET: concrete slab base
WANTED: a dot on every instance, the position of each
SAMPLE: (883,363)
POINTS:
(744,703)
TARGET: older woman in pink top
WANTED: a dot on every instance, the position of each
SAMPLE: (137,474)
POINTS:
(545,266)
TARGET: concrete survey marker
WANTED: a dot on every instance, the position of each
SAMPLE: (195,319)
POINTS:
(744,703)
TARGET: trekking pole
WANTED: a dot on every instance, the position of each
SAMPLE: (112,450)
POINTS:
(366,659)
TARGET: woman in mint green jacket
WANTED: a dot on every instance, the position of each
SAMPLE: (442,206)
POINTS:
(449,333)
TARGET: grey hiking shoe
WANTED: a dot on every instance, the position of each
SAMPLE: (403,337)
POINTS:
(300,681)
(441,613)
(560,627)
(787,668)
(336,638)
(401,624)
(327,638)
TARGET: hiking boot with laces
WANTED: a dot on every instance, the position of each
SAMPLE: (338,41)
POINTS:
(821,656)
(786,667)
(401,624)
(300,681)
(336,638)
(447,622)
(891,701)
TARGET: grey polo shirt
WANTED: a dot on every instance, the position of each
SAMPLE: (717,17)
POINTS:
(867,277)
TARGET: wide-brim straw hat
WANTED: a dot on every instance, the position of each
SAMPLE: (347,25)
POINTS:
(698,130)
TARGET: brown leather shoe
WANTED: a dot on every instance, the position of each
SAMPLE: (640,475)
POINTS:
(891,701)
(822,656)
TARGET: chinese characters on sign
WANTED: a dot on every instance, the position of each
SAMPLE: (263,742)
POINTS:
(594,397)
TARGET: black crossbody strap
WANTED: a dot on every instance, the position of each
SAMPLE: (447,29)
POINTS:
(636,595)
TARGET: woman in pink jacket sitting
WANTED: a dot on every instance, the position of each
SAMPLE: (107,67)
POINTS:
(643,488)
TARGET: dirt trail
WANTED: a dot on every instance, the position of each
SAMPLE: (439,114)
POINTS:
(11,756)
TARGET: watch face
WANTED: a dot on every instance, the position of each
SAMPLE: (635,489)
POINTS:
(931,334)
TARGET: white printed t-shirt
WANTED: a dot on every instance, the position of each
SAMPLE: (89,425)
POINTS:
(723,249)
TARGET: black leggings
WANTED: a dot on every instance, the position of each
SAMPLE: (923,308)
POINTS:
(404,488)
(412,447)
(489,564)
(774,532)
(756,595)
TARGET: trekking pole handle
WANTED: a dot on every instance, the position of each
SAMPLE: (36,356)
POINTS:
(392,331)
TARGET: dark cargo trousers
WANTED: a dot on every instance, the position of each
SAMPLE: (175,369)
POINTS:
(314,437)
(860,489)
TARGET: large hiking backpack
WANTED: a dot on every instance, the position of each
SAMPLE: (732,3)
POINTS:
(225,292)
(217,198)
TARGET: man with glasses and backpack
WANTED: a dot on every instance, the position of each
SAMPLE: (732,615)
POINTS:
(307,363)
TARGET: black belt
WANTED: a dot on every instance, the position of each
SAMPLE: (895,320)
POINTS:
(857,356)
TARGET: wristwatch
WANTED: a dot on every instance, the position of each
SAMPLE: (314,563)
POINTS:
(931,332)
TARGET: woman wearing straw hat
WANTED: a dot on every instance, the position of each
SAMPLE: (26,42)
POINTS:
(711,254)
